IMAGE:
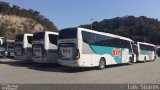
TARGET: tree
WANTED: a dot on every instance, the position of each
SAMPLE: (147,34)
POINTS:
(137,28)
(6,9)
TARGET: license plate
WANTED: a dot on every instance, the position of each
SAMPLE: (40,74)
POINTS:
(66,52)
(18,51)
(37,51)
(12,54)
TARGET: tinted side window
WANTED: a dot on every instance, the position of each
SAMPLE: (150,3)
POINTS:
(126,44)
(53,38)
(88,37)
(147,47)
(101,40)
(114,42)
(29,38)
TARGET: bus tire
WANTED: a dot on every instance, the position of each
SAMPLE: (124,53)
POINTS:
(154,58)
(102,64)
(130,61)
(144,60)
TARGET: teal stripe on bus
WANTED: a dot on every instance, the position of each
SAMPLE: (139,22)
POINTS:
(101,50)
(146,52)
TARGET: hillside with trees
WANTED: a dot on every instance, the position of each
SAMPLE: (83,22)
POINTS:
(14,20)
(137,28)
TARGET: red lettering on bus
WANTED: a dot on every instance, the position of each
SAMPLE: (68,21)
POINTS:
(116,52)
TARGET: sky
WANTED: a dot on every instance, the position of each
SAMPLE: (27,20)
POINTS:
(72,13)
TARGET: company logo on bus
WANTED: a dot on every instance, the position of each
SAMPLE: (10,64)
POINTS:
(66,51)
(116,52)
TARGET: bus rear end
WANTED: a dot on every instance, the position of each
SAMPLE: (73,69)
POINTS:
(158,52)
(22,47)
(38,47)
(19,49)
(68,51)
(146,52)
(10,50)
(44,47)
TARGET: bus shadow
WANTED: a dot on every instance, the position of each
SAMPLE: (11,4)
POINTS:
(18,63)
(85,69)
(33,65)
(57,67)
(46,67)
(77,69)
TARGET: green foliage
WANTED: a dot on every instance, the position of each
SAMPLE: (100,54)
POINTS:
(6,9)
(137,28)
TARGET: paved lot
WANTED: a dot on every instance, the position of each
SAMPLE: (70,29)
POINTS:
(18,72)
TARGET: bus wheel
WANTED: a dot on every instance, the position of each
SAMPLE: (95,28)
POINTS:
(154,58)
(130,61)
(102,64)
(144,59)
(4,56)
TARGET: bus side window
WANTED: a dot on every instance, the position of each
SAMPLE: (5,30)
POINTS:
(86,37)
(53,38)
(29,38)
(100,40)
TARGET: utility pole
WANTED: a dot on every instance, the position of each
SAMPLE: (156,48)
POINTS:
(91,23)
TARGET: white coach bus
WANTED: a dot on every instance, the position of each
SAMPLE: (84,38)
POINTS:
(146,52)
(79,47)
(10,48)
(23,47)
(158,52)
(44,47)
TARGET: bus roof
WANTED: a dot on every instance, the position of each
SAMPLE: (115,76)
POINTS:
(25,34)
(49,32)
(10,41)
(146,43)
(103,33)
(157,46)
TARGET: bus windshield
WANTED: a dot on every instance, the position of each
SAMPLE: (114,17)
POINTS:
(39,36)
(70,33)
(19,37)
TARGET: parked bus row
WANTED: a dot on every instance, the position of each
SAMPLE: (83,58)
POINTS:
(40,47)
(158,51)
(6,47)
(79,47)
